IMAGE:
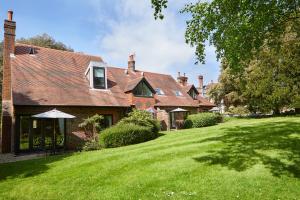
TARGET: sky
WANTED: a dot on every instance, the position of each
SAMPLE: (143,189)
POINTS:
(113,29)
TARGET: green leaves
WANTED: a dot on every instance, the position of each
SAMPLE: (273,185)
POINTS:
(92,125)
(158,6)
(237,28)
(45,40)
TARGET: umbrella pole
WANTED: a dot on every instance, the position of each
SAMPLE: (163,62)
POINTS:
(54,138)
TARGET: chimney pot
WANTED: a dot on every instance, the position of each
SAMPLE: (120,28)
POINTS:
(10,15)
(182,80)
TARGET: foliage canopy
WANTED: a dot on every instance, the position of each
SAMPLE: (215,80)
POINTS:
(238,29)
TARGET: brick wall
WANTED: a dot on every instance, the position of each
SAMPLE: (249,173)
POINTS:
(7,108)
(75,135)
(143,103)
(164,117)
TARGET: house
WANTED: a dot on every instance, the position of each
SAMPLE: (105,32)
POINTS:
(37,79)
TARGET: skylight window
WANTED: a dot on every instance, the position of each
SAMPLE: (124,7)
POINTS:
(178,93)
(159,91)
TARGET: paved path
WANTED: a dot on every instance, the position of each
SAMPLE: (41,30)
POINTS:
(9,157)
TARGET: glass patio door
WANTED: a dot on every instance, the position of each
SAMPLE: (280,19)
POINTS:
(40,134)
(59,133)
(48,130)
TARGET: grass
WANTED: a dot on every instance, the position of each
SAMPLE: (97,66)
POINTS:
(239,159)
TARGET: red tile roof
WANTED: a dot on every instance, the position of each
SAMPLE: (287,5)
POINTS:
(187,88)
(54,77)
(204,102)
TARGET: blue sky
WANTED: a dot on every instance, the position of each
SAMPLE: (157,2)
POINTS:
(113,29)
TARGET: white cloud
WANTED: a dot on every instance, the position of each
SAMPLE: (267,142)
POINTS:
(159,45)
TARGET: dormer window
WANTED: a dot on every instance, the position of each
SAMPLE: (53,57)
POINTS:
(99,77)
(159,91)
(193,94)
(96,75)
(178,93)
(142,90)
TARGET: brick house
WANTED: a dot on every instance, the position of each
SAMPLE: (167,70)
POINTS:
(37,79)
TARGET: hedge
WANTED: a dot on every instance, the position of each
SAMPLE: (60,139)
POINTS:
(202,120)
(125,134)
(141,118)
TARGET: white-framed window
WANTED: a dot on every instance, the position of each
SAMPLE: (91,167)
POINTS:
(96,74)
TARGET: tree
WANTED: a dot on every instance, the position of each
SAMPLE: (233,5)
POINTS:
(45,40)
(216,93)
(229,88)
(270,82)
(238,29)
(273,78)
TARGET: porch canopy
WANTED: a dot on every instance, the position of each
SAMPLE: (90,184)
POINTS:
(54,114)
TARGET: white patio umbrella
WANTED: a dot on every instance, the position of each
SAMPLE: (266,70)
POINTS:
(54,114)
(179,110)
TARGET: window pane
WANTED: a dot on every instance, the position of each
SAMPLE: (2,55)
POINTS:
(36,134)
(193,94)
(99,72)
(24,132)
(59,132)
(143,90)
(107,121)
(48,131)
(99,78)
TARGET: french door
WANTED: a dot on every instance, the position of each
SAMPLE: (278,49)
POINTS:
(39,134)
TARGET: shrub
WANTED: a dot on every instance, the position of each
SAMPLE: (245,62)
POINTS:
(188,124)
(142,118)
(92,126)
(203,119)
(239,110)
(91,145)
(125,134)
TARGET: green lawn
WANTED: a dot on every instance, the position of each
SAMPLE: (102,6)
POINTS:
(239,159)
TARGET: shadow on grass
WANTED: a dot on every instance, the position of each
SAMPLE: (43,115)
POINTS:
(275,145)
(28,168)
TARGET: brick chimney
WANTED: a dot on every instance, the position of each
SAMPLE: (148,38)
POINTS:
(182,80)
(200,80)
(131,63)
(7,106)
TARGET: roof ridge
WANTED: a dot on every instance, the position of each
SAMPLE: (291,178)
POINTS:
(64,51)
(125,68)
